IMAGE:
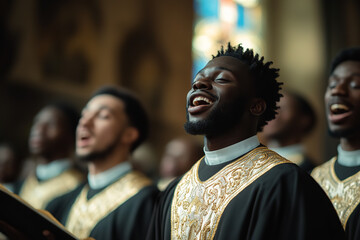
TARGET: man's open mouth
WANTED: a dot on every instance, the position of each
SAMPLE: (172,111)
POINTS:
(201,100)
(339,108)
(339,112)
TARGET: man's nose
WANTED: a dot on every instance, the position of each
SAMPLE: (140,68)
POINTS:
(203,83)
(85,120)
(340,89)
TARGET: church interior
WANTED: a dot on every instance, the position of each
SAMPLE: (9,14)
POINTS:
(66,49)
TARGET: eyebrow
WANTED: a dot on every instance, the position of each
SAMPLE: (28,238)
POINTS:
(217,69)
(102,107)
(356,74)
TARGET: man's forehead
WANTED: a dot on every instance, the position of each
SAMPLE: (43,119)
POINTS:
(227,63)
(105,101)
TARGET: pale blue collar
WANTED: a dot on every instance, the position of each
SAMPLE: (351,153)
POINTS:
(100,180)
(53,169)
(289,150)
(231,152)
(348,158)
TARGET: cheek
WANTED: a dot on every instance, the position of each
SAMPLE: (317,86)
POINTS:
(326,96)
(107,134)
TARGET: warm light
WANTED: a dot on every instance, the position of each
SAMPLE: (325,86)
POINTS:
(247,40)
(202,43)
(228,12)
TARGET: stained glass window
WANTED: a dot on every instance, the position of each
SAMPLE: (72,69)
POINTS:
(220,21)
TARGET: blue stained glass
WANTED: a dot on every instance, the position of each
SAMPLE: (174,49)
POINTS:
(241,16)
(207,8)
(198,64)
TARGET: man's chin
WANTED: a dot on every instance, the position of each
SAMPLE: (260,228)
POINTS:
(340,133)
(87,157)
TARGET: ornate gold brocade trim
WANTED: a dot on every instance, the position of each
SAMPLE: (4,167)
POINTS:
(38,194)
(198,206)
(85,214)
(344,195)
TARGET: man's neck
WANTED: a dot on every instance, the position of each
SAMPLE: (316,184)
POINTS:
(231,152)
(101,165)
(213,143)
(350,144)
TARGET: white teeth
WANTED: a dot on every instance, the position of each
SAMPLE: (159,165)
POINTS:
(198,100)
(339,107)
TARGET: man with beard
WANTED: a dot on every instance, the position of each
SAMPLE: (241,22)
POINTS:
(51,143)
(116,202)
(340,177)
(240,189)
(285,134)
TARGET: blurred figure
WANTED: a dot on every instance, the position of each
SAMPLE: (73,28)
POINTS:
(285,134)
(52,143)
(179,156)
(117,201)
(144,159)
(10,167)
(340,176)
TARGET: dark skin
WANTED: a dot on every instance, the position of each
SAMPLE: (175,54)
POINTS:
(289,126)
(221,81)
(50,136)
(342,104)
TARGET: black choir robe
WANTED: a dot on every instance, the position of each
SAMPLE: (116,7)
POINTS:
(121,210)
(342,185)
(272,199)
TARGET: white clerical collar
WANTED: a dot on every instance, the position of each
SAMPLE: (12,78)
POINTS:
(53,169)
(100,180)
(289,150)
(231,152)
(348,158)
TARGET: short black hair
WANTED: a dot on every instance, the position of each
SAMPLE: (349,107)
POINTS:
(266,85)
(133,108)
(348,54)
(70,113)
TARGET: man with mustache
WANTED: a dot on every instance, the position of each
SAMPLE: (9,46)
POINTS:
(340,177)
(240,189)
(116,202)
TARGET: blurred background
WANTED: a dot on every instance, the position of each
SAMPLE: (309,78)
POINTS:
(66,49)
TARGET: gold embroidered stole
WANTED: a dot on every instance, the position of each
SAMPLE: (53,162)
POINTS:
(38,194)
(85,214)
(344,195)
(197,206)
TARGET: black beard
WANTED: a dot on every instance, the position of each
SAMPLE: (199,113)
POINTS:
(341,133)
(97,156)
(220,119)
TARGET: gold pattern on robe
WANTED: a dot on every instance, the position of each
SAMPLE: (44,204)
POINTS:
(39,193)
(197,206)
(344,195)
(85,214)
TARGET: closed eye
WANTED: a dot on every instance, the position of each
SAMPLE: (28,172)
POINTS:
(222,80)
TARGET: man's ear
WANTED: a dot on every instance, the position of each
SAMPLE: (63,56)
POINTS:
(130,135)
(258,106)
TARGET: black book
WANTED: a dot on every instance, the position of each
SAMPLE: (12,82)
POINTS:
(20,221)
